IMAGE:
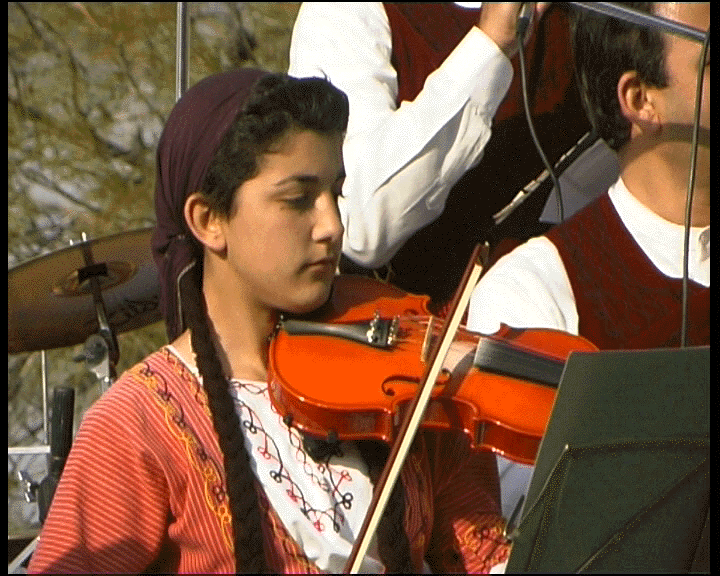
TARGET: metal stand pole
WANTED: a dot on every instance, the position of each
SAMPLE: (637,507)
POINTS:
(181,51)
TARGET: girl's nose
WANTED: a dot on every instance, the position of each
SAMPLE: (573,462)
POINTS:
(328,226)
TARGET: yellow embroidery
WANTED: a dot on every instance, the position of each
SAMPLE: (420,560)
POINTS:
(213,477)
(484,537)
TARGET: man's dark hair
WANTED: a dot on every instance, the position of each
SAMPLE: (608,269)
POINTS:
(605,48)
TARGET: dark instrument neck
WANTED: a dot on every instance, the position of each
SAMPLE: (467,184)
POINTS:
(502,358)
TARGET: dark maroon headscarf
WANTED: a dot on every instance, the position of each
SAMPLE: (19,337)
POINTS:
(188,143)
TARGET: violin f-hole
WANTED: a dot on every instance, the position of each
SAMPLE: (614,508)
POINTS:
(392,386)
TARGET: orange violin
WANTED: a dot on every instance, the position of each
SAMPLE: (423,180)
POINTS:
(350,372)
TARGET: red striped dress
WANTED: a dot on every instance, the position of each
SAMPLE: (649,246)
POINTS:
(144,490)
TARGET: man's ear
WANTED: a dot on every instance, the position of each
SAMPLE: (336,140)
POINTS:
(204,222)
(637,104)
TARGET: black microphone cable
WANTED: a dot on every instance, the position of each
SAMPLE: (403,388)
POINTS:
(691,189)
(524,20)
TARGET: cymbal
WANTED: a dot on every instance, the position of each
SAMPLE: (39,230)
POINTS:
(50,301)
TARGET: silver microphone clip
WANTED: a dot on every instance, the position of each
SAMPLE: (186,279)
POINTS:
(525,17)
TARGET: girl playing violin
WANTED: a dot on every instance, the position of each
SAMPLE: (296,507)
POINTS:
(184,465)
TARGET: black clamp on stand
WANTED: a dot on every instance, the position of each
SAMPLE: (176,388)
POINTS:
(61,432)
(101,349)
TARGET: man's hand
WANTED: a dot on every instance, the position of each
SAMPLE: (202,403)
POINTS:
(499,21)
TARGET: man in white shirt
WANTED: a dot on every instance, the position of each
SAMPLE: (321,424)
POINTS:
(613,272)
(427,83)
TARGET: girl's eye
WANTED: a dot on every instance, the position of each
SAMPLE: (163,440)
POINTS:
(302,202)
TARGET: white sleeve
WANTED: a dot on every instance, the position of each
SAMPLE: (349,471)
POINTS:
(527,288)
(400,162)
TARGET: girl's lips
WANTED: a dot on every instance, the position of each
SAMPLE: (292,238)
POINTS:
(328,261)
(323,265)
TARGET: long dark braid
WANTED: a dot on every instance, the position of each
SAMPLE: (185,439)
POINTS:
(393,543)
(279,104)
(245,512)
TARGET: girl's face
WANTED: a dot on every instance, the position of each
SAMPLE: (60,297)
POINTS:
(284,236)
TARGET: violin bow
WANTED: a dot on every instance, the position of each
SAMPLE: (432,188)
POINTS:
(414,416)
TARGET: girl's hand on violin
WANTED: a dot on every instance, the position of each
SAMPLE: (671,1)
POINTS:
(499,21)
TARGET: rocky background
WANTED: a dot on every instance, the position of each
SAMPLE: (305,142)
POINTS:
(89,88)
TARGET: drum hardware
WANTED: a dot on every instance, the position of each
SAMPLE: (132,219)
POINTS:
(101,349)
(60,438)
(140,305)
(61,434)
(30,487)
(61,431)
(100,353)
(96,355)
(103,286)
(85,293)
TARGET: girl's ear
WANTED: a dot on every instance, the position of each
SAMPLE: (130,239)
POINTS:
(637,104)
(204,223)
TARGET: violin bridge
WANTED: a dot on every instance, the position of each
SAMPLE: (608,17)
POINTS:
(426,342)
(392,331)
(381,333)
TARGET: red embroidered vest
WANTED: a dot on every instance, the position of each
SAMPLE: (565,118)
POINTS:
(623,300)
(423,35)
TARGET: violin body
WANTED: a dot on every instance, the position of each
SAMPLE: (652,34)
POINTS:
(335,388)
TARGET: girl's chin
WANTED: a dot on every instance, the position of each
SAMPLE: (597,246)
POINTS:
(312,299)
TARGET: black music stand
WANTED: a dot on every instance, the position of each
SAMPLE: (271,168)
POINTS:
(622,481)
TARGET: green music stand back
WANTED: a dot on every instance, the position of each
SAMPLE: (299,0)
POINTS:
(622,480)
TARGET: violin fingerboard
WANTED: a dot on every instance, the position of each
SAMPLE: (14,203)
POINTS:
(502,358)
